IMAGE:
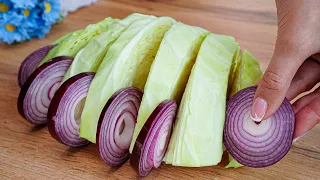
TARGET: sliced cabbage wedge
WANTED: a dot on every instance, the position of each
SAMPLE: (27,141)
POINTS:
(66,36)
(90,57)
(71,45)
(197,138)
(170,70)
(246,72)
(126,63)
(233,70)
(233,163)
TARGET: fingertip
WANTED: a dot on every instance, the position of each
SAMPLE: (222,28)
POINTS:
(304,101)
(259,109)
(299,137)
(306,119)
(272,89)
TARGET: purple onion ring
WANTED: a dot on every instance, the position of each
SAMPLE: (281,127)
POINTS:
(153,139)
(31,62)
(116,125)
(257,144)
(36,94)
(65,110)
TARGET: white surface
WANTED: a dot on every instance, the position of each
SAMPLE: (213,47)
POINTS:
(72,5)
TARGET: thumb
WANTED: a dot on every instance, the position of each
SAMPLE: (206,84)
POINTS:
(273,86)
(295,43)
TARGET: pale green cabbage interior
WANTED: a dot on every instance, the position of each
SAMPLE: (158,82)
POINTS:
(90,57)
(197,138)
(126,63)
(170,70)
(73,43)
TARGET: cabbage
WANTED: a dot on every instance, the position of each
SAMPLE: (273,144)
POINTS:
(197,138)
(170,71)
(126,63)
(78,40)
(233,163)
(233,70)
(89,58)
(246,72)
(66,36)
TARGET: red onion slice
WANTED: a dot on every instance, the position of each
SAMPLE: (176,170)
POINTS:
(65,110)
(257,144)
(31,62)
(116,125)
(37,92)
(152,142)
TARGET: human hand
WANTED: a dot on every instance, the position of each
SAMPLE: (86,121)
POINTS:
(291,71)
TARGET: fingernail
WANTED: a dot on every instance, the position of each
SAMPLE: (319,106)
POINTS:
(296,139)
(259,109)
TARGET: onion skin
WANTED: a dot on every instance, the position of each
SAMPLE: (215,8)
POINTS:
(162,118)
(31,86)
(61,123)
(121,109)
(31,62)
(257,145)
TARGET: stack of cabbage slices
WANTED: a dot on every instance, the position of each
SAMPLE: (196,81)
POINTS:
(165,59)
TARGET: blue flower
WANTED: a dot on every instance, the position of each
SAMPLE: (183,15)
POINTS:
(24,4)
(41,29)
(30,16)
(10,29)
(51,11)
(5,6)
